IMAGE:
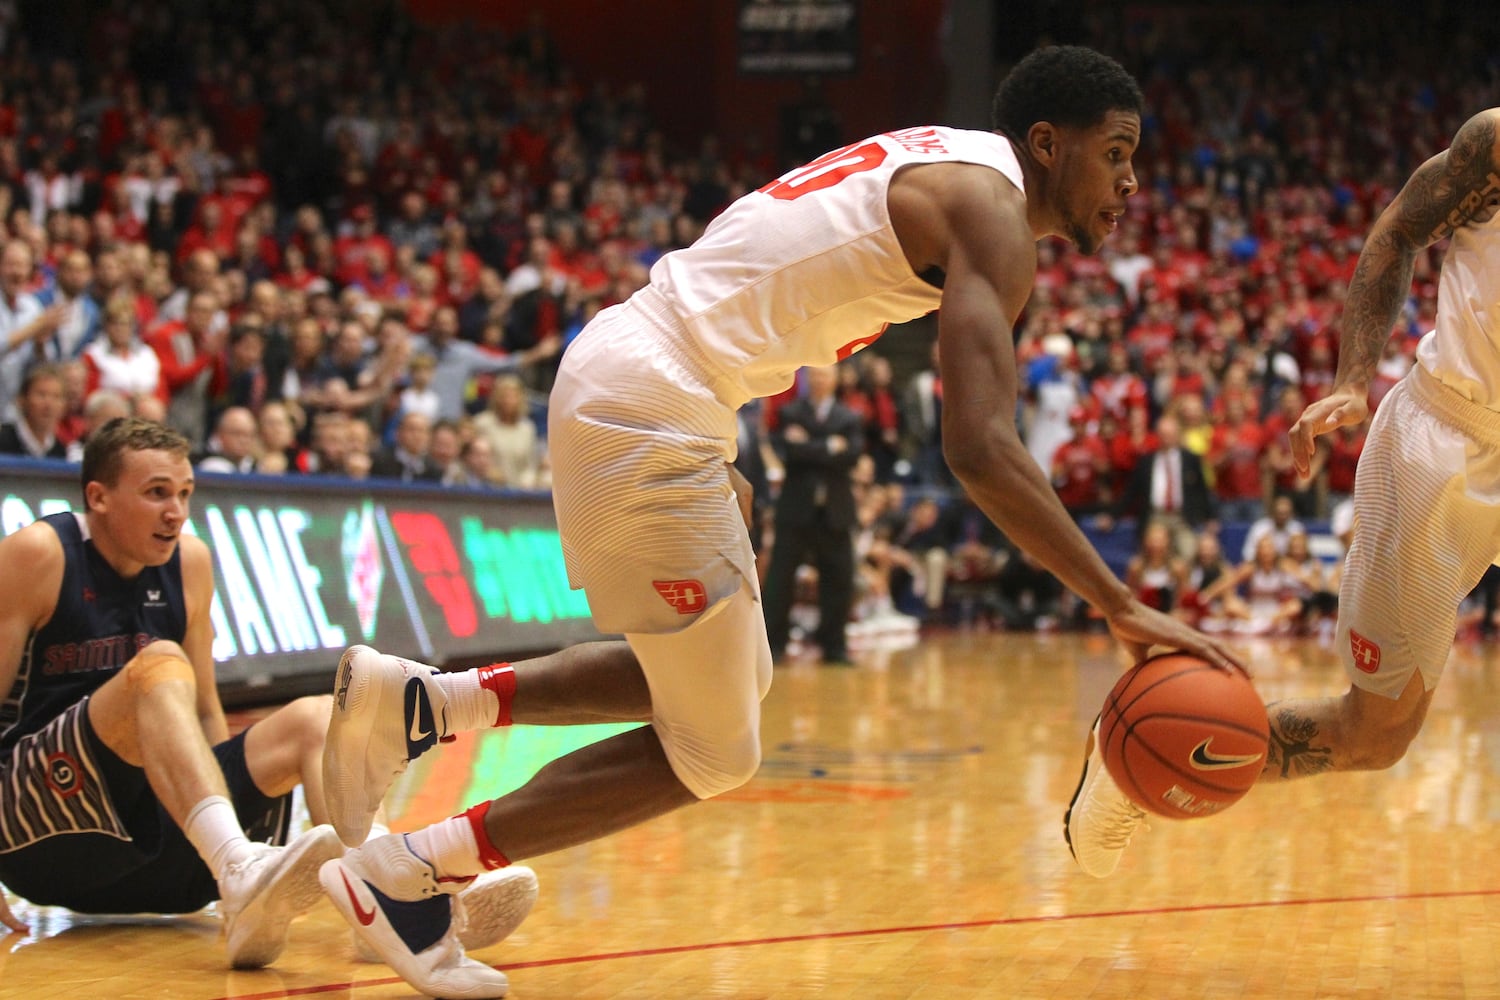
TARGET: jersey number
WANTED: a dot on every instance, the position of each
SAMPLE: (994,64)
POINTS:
(824,172)
(827,170)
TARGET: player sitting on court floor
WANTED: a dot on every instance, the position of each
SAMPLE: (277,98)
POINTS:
(120,788)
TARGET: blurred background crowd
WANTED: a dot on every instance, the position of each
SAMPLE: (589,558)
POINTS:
(329,240)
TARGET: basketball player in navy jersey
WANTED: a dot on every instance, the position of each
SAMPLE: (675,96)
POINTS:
(804,271)
(1426,497)
(120,788)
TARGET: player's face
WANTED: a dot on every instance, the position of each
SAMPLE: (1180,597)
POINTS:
(1095,177)
(137,521)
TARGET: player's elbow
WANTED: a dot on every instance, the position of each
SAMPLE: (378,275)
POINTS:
(1379,750)
(1379,744)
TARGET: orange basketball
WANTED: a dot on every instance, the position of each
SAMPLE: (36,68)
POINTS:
(1182,738)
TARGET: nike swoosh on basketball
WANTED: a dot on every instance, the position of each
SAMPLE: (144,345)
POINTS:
(1205,760)
(365,917)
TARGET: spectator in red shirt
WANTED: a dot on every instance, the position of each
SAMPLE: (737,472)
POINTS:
(1127,442)
(1119,390)
(1081,469)
(1235,456)
(211,232)
(351,252)
(1344,448)
(193,370)
(457,266)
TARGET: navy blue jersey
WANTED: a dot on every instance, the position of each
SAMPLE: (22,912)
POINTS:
(100,622)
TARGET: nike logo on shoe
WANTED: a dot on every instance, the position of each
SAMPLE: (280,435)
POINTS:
(1203,759)
(365,917)
(420,725)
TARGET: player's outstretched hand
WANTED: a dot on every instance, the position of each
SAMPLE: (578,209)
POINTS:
(9,919)
(1138,628)
(1344,406)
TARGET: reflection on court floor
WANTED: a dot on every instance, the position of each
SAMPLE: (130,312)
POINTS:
(903,840)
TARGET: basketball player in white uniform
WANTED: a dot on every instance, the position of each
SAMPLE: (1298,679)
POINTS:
(1427,496)
(804,271)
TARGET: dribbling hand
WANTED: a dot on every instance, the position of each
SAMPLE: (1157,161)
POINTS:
(1139,628)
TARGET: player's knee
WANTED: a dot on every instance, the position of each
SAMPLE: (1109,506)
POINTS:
(160,662)
(710,768)
(309,717)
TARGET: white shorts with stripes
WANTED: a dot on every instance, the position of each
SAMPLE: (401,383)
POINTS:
(1427,525)
(639,444)
(652,532)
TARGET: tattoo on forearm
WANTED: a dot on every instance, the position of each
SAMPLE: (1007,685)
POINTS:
(1292,752)
(1446,193)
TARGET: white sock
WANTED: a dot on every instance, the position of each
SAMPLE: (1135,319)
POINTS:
(213,828)
(448,846)
(471,705)
(377,829)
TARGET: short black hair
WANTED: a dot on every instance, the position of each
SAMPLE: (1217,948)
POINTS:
(1066,85)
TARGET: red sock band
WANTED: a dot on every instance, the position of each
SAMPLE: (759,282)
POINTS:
(489,855)
(501,679)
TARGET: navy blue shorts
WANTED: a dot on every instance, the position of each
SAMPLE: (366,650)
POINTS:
(87,832)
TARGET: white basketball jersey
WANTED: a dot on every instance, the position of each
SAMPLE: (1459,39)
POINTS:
(807,270)
(1464,350)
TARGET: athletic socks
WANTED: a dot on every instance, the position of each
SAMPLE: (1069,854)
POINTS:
(213,828)
(478,699)
(458,847)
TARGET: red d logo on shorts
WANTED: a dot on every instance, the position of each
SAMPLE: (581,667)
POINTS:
(687,596)
(1366,653)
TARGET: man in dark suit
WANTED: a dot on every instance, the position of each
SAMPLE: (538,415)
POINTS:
(407,460)
(818,439)
(39,411)
(1168,485)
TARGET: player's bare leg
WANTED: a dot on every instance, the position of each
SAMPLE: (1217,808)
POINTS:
(285,749)
(590,793)
(1357,731)
(147,715)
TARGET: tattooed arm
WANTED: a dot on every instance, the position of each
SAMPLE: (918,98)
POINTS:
(1456,187)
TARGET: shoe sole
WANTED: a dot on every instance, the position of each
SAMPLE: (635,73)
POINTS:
(335,880)
(1083,774)
(287,892)
(495,910)
(356,706)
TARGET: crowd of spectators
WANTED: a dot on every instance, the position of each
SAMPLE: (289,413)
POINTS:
(324,240)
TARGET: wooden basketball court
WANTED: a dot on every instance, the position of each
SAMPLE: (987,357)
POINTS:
(903,841)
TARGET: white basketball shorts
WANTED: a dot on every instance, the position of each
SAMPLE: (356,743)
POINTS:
(1426,526)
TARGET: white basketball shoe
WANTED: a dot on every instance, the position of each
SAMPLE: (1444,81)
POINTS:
(1100,820)
(406,914)
(386,712)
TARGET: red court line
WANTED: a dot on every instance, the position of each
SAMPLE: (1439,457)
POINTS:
(913,929)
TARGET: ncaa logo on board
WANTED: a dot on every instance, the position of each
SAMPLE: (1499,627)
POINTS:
(63,775)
